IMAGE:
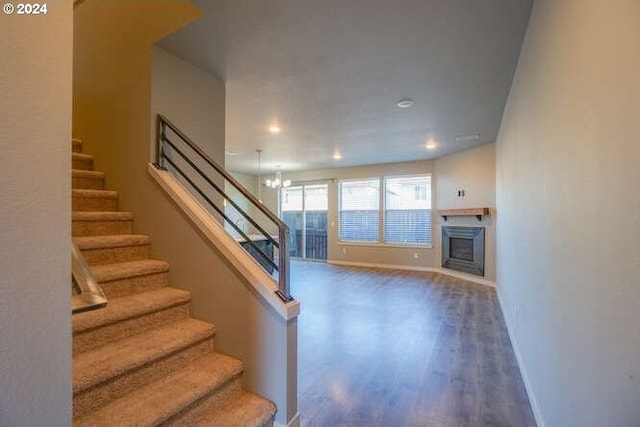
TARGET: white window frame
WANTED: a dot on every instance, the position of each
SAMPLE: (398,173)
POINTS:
(381,212)
(384,209)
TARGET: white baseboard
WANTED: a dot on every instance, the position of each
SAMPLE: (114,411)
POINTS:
(523,372)
(295,422)
(444,271)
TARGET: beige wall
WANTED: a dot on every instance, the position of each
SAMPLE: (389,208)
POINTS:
(474,172)
(35,170)
(569,213)
(112,112)
(190,98)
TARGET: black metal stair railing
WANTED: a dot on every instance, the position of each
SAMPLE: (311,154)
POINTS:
(268,244)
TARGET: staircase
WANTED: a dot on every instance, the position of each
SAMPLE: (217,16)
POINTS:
(142,360)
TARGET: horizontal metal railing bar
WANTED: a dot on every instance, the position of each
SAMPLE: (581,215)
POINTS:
(221,212)
(218,189)
(224,173)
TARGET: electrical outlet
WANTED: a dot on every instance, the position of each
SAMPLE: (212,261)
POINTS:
(415,255)
(344,251)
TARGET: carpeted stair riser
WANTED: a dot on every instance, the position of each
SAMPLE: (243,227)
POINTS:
(133,250)
(81,161)
(122,279)
(94,200)
(94,391)
(100,226)
(89,180)
(97,328)
(179,393)
(129,286)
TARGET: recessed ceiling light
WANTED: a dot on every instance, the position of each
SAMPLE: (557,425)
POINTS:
(405,103)
(274,129)
(337,155)
(431,145)
(466,138)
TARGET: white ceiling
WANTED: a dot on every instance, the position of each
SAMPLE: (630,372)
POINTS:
(330,72)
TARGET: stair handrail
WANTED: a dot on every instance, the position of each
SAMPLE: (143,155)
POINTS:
(283,229)
(89,294)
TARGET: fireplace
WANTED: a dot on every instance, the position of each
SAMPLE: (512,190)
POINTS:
(463,249)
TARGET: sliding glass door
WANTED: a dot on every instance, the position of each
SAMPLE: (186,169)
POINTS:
(292,214)
(304,208)
(315,221)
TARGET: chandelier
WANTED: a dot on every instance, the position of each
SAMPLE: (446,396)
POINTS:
(278,181)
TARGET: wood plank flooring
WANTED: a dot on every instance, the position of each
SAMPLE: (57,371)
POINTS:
(395,348)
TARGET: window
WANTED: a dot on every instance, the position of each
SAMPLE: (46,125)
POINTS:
(359,211)
(406,206)
(407,210)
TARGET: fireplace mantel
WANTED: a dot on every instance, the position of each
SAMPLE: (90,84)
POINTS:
(477,212)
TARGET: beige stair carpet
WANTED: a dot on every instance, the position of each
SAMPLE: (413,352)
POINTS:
(142,360)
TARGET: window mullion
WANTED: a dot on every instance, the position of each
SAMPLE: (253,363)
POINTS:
(381,210)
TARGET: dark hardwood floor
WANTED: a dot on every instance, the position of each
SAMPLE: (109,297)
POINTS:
(396,348)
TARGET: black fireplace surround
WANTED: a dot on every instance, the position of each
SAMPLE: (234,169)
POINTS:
(463,249)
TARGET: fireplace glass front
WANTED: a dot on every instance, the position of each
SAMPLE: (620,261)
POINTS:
(461,249)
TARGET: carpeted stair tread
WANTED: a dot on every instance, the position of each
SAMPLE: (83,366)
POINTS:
(246,410)
(120,309)
(101,216)
(115,359)
(81,173)
(98,194)
(81,156)
(157,402)
(122,270)
(111,241)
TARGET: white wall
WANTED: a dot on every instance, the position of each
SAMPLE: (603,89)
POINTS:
(568,200)
(473,171)
(35,212)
